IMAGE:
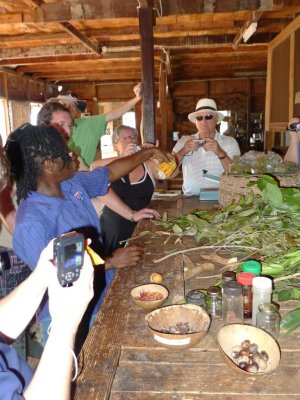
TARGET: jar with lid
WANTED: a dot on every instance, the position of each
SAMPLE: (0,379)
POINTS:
(252,266)
(196,297)
(245,279)
(232,305)
(268,319)
(262,293)
(227,276)
(214,302)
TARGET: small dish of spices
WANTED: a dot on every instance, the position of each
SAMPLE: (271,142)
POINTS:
(149,296)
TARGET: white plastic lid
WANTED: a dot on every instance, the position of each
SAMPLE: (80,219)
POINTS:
(261,282)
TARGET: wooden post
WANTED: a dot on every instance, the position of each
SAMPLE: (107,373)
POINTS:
(163,104)
(146,17)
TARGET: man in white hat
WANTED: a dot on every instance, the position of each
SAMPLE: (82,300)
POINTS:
(205,150)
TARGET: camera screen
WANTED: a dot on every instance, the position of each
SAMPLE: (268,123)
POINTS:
(73,254)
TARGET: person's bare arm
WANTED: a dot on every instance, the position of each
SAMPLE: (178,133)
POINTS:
(101,162)
(113,201)
(123,165)
(7,209)
(125,107)
(52,378)
(292,153)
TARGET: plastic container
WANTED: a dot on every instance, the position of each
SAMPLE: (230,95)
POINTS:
(268,319)
(252,266)
(214,302)
(245,279)
(262,293)
(232,304)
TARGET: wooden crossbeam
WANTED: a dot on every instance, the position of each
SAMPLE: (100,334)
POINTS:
(89,44)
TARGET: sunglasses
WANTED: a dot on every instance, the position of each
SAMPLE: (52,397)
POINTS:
(206,117)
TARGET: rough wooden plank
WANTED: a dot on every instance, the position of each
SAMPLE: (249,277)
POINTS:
(201,378)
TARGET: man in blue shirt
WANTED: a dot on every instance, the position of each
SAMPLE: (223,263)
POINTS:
(53,199)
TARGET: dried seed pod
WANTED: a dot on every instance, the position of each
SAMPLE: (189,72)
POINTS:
(252,368)
(262,364)
(245,352)
(253,348)
(256,357)
(243,364)
(264,355)
(235,355)
(245,344)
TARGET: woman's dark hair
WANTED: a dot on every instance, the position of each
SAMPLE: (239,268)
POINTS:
(44,116)
(27,148)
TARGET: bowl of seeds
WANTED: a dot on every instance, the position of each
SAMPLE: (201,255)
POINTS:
(248,350)
(178,327)
(149,296)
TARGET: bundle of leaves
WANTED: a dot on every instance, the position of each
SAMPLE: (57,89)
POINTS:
(265,226)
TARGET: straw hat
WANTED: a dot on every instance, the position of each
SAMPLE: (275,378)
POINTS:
(206,105)
(80,104)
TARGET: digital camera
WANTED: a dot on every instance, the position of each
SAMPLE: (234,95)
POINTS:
(295,127)
(199,142)
(68,257)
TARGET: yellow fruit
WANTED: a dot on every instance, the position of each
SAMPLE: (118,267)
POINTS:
(96,259)
(156,277)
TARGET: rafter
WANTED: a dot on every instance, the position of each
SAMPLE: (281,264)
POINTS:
(89,44)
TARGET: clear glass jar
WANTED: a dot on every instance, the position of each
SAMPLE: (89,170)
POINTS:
(262,293)
(214,302)
(227,276)
(245,279)
(233,303)
(196,297)
(268,319)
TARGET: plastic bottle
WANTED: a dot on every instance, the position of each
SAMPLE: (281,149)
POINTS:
(262,293)
(268,319)
(214,302)
(252,266)
(245,279)
(232,304)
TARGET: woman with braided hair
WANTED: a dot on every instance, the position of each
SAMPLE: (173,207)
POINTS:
(53,200)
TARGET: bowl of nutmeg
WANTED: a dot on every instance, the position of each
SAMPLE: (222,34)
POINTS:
(248,350)
(149,296)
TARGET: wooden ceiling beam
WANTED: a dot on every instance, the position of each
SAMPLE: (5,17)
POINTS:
(89,44)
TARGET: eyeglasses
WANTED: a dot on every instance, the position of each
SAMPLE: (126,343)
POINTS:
(65,124)
(206,117)
(128,138)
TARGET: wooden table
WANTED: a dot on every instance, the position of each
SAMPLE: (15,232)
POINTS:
(121,361)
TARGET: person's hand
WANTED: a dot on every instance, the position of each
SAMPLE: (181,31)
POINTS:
(160,155)
(146,145)
(127,256)
(294,135)
(68,304)
(212,145)
(189,147)
(138,90)
(131,148)
(146,213)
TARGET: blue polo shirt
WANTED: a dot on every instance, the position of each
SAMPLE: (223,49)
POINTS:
(15,374)
(41,218)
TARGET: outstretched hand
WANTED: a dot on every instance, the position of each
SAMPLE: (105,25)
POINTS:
(138,90)
(127,256)
(68,304)
(146,213)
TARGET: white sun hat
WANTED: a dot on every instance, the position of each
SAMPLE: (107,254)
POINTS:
(206,105)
